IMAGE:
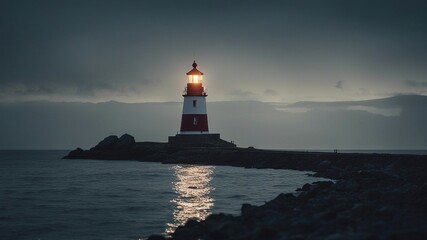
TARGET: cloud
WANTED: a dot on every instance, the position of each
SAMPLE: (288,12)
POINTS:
(415,84)
(68,91)
(270,92)
(238,94)
(339,85)
(143,46)
(33,90)
(80,88)
(89,89)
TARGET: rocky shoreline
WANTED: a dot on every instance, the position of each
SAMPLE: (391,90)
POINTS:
(375,196)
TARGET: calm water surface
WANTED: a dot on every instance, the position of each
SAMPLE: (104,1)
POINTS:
(45,197)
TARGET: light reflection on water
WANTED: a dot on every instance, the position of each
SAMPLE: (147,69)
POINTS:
(193,187)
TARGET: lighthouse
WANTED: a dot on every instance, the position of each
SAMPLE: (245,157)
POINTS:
(194,118)
(194,131)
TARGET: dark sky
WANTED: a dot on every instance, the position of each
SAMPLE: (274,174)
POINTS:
(139,51)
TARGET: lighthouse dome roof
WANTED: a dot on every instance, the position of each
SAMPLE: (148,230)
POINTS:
(194,71)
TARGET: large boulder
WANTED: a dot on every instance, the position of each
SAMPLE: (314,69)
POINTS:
(107,143)
(125,141)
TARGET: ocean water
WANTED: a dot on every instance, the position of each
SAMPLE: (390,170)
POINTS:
(377,151)
(45,197)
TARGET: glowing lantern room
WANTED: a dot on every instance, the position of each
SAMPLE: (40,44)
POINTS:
(194,82)
(195,76)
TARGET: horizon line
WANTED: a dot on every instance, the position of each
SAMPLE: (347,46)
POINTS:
(248,100)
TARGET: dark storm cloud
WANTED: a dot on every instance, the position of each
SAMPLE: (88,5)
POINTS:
(138,48)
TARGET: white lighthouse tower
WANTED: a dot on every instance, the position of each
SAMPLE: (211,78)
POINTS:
(194,130)
(194,115)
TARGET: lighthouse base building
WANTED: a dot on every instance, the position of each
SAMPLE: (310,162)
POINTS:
(202,140)
(194,121)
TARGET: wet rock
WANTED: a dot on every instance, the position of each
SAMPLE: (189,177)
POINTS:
(385,212)
(306,187)
(265,233)
(373,195)
(191,223)
(322,185)
(247,209)
(329,215)
(156,237)
(362,210)
(325,164)
(216,221)
(281,202)
(335,236)
(422,191)
(407,234)
(302,225)
(331,172)
(187,233)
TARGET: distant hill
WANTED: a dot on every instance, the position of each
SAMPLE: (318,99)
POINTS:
(397,101)
(391,123)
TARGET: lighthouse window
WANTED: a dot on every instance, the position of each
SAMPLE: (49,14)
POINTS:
(194,121)
(194,103)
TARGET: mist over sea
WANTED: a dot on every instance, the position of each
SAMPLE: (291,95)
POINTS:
(45,197)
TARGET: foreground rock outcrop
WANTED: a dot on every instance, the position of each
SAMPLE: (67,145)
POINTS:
(373,196)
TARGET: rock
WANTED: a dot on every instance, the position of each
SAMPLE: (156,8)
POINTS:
(335,236)
(373,195)
(329,215)
(385,212)
(265,233)
(156,237)
(284,198)
(125,141)
(329,172)
(362,210)
(77,153)
(248,209)
(107,143)
(186,233)
(282,202)
(302,225)
(322,184)
(407,234)
(372,237)
(191,222)
(423,191)
(324,164)
(306,187)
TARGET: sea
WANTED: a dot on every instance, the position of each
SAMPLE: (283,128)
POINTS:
(43,196)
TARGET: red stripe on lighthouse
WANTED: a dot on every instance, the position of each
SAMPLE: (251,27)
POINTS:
(194,122)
